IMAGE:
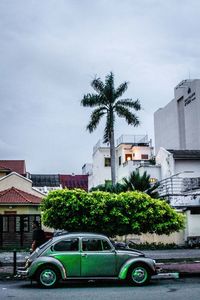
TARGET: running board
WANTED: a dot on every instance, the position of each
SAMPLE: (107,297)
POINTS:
(92,278)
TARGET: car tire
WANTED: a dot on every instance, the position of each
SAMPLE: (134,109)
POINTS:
(47,276)
(138,275)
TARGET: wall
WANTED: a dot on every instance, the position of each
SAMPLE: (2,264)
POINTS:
(174,238)
(19,182)
(20,209)
(166,127)
(177,125)
(100,173)
(193,224)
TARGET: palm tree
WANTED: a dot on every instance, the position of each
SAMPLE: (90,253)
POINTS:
(107,103)
(141,183)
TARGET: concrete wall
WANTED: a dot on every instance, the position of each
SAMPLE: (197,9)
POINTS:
(193,224)
(177,125)
(177,238)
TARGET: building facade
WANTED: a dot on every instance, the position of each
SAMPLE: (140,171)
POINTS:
(131,151)
(177,125)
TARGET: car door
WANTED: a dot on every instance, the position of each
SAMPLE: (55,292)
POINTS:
(68,253)
(98,258)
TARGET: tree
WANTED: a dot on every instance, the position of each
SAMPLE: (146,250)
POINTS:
(109,213)
(141,183)
(107,103)
(109,187)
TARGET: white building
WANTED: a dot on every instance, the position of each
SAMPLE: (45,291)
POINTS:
(177,125)
(131,151)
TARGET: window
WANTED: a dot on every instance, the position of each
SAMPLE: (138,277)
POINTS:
(144,156)
(5,224)
(95,245)
(67,245)
(107,162)
(120,160)
(106,245)
(22,224)
(128,157)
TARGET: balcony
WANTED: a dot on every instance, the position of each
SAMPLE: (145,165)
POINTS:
(180,191)
(133,139)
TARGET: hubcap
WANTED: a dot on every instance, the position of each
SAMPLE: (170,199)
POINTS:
(139,275)
(48,277)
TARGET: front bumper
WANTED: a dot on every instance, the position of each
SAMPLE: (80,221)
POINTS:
(22,272)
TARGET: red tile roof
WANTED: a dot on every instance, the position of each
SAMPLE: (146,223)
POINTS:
(15,196)
(17,166)
(74,181)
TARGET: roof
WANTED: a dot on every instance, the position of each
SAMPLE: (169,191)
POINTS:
(74,181)
(16,196)
(45,180)
(17,166)
(185,154)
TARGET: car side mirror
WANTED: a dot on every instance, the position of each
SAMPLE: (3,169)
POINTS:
(51,248)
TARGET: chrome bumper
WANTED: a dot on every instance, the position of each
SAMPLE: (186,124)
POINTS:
(22,272)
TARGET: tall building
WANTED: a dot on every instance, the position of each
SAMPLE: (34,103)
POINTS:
(177,125)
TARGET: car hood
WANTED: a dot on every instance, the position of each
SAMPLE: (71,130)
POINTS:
(131,252)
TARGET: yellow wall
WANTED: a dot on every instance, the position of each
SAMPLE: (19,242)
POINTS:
(20,209)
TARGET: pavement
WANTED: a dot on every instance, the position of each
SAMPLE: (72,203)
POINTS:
(177,262)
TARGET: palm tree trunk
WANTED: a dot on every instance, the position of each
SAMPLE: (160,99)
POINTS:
(112,157)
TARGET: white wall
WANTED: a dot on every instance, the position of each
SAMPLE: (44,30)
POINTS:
(193,224)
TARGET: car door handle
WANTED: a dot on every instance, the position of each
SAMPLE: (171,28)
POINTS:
(84,254)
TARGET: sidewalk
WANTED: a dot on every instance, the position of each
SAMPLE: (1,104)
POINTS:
(185,262)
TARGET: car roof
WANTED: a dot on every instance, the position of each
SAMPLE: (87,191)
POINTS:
(79,234)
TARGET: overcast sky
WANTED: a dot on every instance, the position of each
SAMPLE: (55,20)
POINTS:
(50,50)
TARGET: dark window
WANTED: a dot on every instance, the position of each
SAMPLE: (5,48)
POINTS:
(22,224)
(106,245)
(144,156)
(67,245)
(107,162)
(120,160)
(5,224)
(91,245)
(95,245)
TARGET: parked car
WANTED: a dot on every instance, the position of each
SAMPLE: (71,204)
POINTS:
(86,256)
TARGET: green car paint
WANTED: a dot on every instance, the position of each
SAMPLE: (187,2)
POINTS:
(93,256)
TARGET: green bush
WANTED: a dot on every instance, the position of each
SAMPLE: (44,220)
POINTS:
(109,213)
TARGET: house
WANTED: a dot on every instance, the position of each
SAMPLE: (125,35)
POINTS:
(50,182)
(130,151)
(19,207)
(74,181)
(8,166)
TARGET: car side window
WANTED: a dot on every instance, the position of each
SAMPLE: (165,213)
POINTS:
(92,245)
(67,245)
(95,245)
(106,245)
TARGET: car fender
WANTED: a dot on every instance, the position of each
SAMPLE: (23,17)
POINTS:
(124,269)
(44,260)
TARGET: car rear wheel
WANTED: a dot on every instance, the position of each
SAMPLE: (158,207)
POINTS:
(47,276)
(139,274)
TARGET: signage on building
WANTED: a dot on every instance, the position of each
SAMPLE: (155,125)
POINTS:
(190,98)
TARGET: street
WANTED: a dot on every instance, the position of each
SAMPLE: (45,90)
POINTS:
(162,289)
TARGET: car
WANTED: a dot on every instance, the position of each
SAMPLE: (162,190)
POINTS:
(86,256)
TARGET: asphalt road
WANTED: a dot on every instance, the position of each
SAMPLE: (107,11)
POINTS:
(173,289)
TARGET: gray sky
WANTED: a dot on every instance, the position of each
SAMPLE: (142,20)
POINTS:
(50,50)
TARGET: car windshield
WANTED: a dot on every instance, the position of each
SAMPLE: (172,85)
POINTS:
(43,245)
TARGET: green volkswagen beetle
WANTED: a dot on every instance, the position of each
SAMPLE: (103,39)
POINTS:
(86,256)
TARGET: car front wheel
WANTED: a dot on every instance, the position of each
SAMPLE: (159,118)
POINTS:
(47,277)
(139,275)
